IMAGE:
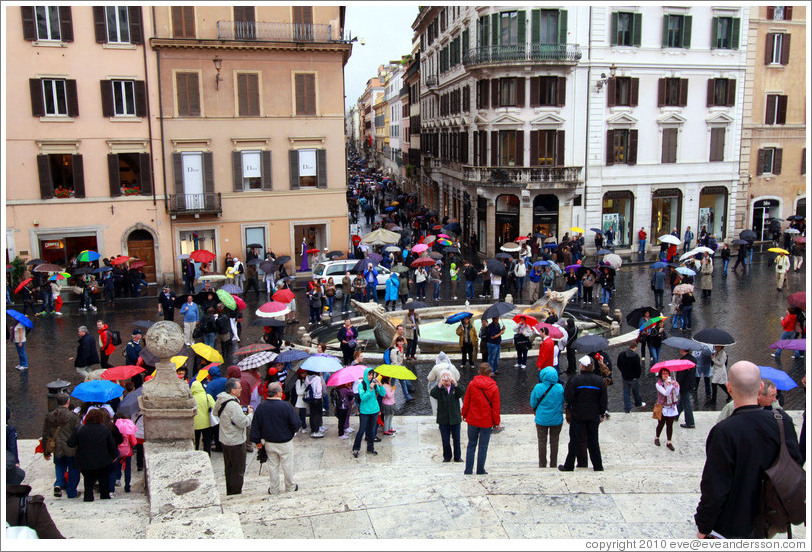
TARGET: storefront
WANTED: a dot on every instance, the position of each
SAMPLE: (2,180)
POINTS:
(204,238)
(507,219)
(618,214)
(764,210)
(713,211)
(666,212)
(62,250)
(308,236)
(545,214)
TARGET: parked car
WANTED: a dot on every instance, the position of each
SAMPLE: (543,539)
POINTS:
(337,269)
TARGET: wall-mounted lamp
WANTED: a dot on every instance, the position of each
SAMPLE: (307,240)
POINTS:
(604,79)
(218,64)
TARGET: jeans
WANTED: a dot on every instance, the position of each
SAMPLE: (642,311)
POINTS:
(468,354)
(784,335)
(411,347)
(315,315)
(345,303)
(685,404)
(631,387)
(22,354)
(606,294)
(686,246)
(315,415)
(655,353)
(447,434)
(372,294)
(519,285)
(330,301)
(687,311)
(208,339)
(481,436)
(404,386)
(580,429)
(303,417)
(750,258)
(493,356)
(421,290)
(366,426)
(47,301)
(521,356)
(641,248)
(469,290)
(658,298)
(64,464)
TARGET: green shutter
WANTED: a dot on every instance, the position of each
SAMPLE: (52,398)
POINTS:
(665,31)
(535,26)
(734,33)
(613,30)
(714,33)
(495,29)
(466,42)
(521,24)
(637,28)
(686,31)
(562,26)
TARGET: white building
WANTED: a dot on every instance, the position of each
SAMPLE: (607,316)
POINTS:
(393,159)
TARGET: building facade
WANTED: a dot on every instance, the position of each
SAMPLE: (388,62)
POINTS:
(411,152)
(773,152)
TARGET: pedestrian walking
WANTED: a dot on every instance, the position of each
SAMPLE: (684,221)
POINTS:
(86,355)
(658,279)
(781,268)
(391,294)
(239,273)
(234,420)
(641,243)
(788,326)
(522,341)
(547,401)
(665,410)
(448,394)
(725,254)
(587,400)
(58,427)
(106,347)
(494,332)
(687,239)
(481,411)
(798,252)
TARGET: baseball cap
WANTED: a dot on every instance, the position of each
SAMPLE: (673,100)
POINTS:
(585,360)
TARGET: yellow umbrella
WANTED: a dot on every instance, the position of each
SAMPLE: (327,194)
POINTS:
(577,229)
(395,371)
(209,353)
(202,374)
(778,250)
(179,360)
(395,203)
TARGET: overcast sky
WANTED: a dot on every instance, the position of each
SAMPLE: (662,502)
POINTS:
(387,33)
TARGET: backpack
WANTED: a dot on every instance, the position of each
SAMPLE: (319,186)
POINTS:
(308,394)
(521,269)
(782,499)
(114,336)
(387,356)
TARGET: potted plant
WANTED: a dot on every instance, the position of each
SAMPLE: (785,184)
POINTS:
(63,192)
(131,191)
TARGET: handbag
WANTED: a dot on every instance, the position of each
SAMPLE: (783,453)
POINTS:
(197,333)
(657,414)
(213,418)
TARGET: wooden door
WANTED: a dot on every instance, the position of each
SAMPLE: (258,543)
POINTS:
(145,251)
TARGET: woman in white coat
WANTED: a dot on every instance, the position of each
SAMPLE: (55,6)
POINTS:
(719,374)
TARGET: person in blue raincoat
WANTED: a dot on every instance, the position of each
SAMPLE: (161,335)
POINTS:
(368,392)
(371,278)
(392,286)
(547,400)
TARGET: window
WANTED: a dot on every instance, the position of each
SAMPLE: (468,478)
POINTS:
(244,21)
(547,91)
(545,26)
(803,161)
(779,13)
(777,50)
(251,165)
(672,92)
(717,145)
(55,97)
(725,33)
(118,26)
(507,92)
(621,146)
(676,31)
(61,175)
(626,29)
(183,21)
(188,92)
(769,161)
(129,174)
(669,152)
(248,94)
(47,23)
(508,155)
(303,23)
(721,92)
(306,94)
(308,168)
(622,91)
(123,97)
(776,112)
(546,148)
(508,28)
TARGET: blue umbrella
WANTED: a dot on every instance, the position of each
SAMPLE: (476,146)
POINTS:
(597,230)
(20,317)
(603,252)
(685,271)
(291,355)
(321,363)
(389,209)
(541,263)
(458,316)
(782,380)
(658,265)
(551,245)
(102,269)
(97,391)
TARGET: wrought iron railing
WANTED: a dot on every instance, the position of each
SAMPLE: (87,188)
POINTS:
(522,53)
(278,32)
(512,176)
(191,204)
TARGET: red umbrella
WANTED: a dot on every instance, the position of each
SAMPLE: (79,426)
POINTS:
(240,303)
(555,331)
(121,259)
(202,256)
(272,309)
(312,251)
(253,348)
(673,365)
(283,296)
(423,261)
(22,285)
(526,318)
(521,239)
(797,300)
(138,264)
(121,372)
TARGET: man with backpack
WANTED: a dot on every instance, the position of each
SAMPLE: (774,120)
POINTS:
(59,425)
(108,339)
(739,451)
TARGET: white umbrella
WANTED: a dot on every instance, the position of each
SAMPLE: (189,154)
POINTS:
(613,260)
(511,247)
(670,238)
(212,277)
(696,251)
(381,237)
(792,231)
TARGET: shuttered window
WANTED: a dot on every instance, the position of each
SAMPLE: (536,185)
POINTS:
(725,33)
(129,174)
(118,24)
(676,31)
(669,153)
(308,168)
(769,161)
(547,91)
(622,91)
(248,94)
(777,49)
(721,92)
(546,148)
(621,146)
(626,29)
(188,94)
(672,92)
(183,21)
(61,176)
(776,112)
(305,94)
(717,145)
(54,97)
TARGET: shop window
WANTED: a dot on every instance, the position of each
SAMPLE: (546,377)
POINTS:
(61,176)
(617,213)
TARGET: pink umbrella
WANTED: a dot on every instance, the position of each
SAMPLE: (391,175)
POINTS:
(272,309)
(346,375)
(446,236)
(555,331)
(419,248)
(673,365)
(800,239)
(240,303)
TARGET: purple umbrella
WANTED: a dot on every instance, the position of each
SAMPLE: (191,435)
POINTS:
(791,344)
(573,267)
(374,257)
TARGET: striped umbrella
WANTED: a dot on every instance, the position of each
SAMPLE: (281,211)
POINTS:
(256,360)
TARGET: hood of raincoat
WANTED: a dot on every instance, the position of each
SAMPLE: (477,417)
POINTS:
(548,375)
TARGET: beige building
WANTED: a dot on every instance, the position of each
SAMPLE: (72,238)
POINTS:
(253,127)
(79,173)
(773,152)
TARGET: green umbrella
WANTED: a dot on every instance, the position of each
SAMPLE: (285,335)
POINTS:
(227,300)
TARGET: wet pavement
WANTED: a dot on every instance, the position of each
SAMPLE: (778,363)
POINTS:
(745,304)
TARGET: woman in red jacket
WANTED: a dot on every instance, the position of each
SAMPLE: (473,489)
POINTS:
(480,409)
(106,346)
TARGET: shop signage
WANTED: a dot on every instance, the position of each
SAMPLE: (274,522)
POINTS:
(53,244)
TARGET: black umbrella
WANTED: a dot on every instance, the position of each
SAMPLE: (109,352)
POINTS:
(496,266)
(498,309)
(682,343)
(748,235)
(415,305)
(34,262)
(795,217)
(361,265)
(714,336)
(254,245)
(335,254)
(634,318)
(102,269)
(268,266)
(146,324)
(129,404)
(254,262)
(451,249)
(591,344)
(282,260)
(539,235)
(597,230)
(739,242)
(582,270)
(504,255)
(272,322)
(82,270)
(436,255)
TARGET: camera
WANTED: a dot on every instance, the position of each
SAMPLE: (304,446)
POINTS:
(245,410)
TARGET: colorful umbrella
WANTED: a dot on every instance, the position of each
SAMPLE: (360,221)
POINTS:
(395,371)
(778,250)
(522,239)
(59,276)
(419,248)
(88,255)
(349,374)
(209,353)
(673,365)
(97,391)
(256,360)
(203,373)
(527,319)
(121,259)
(782,380)
(423,261)
(797,299)
(292,355)
(272,309)
(20,317)
(444,242)
(653,321)
(800,239)
(253,348)
(121,372)
(47,267)
(241,305)
(202,256)
(684,288)
(231,288)
(555,331)
(613,260)
(313,251)
(321,363)
(446,236)
(458,316)
(227,299)
(790,344)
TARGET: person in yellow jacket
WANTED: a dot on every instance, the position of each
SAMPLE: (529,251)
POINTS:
(205,403)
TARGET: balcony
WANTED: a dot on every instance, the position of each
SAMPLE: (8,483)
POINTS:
(520,53)
(196,204)
(524,177)
(278,32)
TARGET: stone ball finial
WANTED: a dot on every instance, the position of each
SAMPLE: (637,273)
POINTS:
(164,339)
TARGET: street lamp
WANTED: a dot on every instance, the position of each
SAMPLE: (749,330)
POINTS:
(604,79)
(218,64)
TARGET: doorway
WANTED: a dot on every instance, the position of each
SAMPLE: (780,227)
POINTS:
(764,210)
(545,215)
(307,236)
(140,244)
(507,219)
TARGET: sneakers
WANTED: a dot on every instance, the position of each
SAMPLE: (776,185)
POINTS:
(642,405)
(57,492)
(345,436)
(390,432)
(355,454)
(22,368)
(317,435)
(373,452)
(517,365)
(349,430)
(322,429)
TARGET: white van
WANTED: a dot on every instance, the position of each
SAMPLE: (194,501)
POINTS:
(338,269)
